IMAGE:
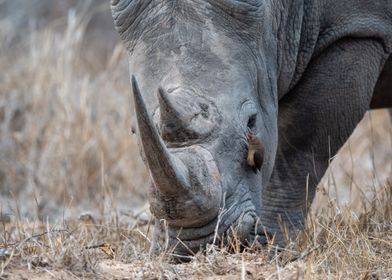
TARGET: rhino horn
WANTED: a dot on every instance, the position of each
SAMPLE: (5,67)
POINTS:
(169,173)
(186,116)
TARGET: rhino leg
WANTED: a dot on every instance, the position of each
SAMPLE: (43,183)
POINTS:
(315,119)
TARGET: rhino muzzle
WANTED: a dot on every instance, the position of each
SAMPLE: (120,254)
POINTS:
(186,187)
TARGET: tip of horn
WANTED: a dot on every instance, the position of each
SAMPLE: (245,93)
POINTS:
(139,102)
(135,86)
(162,92)
(163,98)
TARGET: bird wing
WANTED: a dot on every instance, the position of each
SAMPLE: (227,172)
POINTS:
(258,159)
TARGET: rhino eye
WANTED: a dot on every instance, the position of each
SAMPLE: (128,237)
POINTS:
(252,122)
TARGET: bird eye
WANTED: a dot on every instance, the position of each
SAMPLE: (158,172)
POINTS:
(252,122)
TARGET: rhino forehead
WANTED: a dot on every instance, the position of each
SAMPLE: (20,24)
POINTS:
(216,67)
(137,18)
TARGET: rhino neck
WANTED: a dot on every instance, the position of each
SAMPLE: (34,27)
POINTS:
(299,26)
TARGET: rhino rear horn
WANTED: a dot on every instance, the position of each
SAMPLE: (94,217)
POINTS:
(169,173)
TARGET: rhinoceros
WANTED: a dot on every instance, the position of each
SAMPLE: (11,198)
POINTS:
(298,74)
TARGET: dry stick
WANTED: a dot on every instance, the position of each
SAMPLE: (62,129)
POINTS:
(102,205)
(186,247)
(243,270)
(95,246)
(6,263)
(166,228)
(147,233)
(277,264)
(375,175)
(304,254)
(222,212)
(17,212)
(352,168)
(18,243)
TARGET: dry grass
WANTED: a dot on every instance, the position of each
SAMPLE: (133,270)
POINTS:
(65,137)
(66,148)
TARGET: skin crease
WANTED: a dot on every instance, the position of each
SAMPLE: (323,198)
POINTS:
(304,70)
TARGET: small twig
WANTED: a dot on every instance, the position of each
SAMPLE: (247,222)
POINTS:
(303,254)
(95,246)
(143,235)
(277,264)
(17,243)
(6,263)
(104,247)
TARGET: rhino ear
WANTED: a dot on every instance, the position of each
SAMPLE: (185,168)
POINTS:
(121,10)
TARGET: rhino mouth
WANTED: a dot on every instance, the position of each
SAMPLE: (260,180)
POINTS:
(236,224)
(230,226)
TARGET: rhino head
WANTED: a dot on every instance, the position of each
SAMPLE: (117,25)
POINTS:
(200,81)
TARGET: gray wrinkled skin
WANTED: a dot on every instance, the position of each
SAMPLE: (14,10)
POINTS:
(300,74)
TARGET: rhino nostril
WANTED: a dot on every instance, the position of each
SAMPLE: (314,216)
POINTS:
(172,89)
(204,110)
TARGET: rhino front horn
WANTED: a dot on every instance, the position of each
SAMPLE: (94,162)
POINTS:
(170,175)
(187,190)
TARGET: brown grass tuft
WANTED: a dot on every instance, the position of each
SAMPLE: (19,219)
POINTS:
(65,133)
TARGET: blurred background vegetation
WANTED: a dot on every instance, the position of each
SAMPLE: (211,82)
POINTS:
(65,113)
(65,140)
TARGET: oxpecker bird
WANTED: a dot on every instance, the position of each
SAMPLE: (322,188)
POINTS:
(255,151)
